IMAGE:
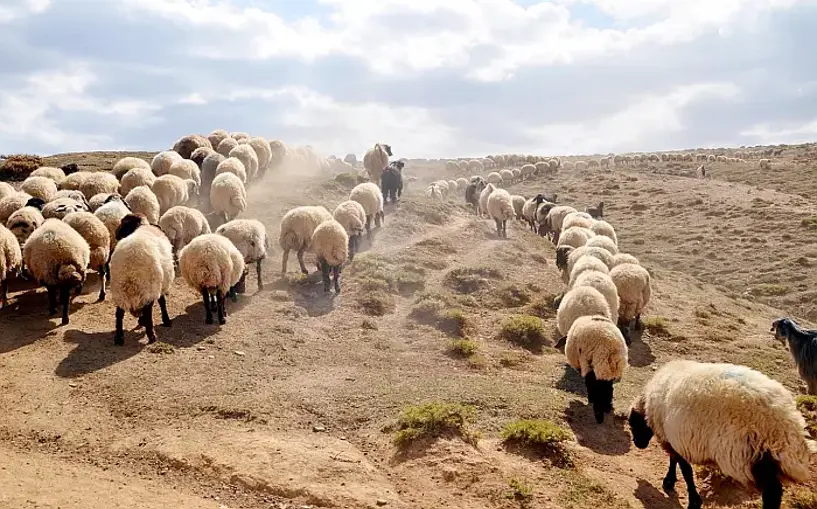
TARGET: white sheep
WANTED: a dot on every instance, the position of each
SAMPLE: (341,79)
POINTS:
(211,264)
(142,272)
(187,169)
(97,182)
(604,243)
(500,208)
(620,258)
(726,415)
(233,165)
(554,221)
(506,176)
(162,162)
(483,199)
(55,174)
(216,136)
(577,302)
(352,216)
(434,192)
(74,194)
(135,177)
(57,257)
(462,183)
(494,178)
(11,261)
(6,190)
(228,197)
(575,236)
(182,224)
(263,152)
(98,238)
(297,227)
(581,219)
(567,256)
(599,279)
(188,144)
(584,264)
(369,196)
(634,291)
(601,227)
(61,207)
(12,203)
(278,151)
(375,160)
(98,200)
(765,164)
(249,236)
(330,243)
(141,200)
(73,181)
(208,173)
(596,348)
(111,214)
(226,145)
(126,164)
(24,221)
(39,187)
(248,158)
(518,204)
(171,190)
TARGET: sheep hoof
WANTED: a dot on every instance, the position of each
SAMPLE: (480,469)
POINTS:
(695,502)
(167,324)
(222,321)
(101,297)
(119,339)
(208,321)
(65,321)
(669,485)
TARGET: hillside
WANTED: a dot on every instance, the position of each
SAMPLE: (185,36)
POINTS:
(293,403)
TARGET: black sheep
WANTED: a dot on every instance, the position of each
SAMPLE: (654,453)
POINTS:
(802,346)
(391,181)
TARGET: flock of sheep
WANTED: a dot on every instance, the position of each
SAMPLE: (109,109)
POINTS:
(141,222)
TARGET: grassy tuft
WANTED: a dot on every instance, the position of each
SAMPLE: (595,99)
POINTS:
(802,498)
(463,347)
(523,330)
(656,325)
(470,279)
(519,491)
(161,347)
(437,309)
(808,407)
(433,420)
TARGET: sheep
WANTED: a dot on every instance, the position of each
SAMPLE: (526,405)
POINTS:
(187,144)
(351,215)
(596,212)
(391,181)
(369,195)
(494,178)
(500,208)
(598,278)
(581,219)
(55,174)
(239,135)
(727,415)
(74,194)
(197,158)
(434,192)
(518,204)
(216,136)
(330,243)
(171,190)
(162,162)
(225,146)
(472,193)
(11,261)
(507,176)
(596,348)
(483,198)
(802,345)
(39,187)
(6,190)
(74,181)
(584,264)
(263,152)
(182,224)
(141,200)
(620,258)
(126,164)
(577,302)
(553,221)
(24,221)
(111,214)
(98,238)
(296,229)
(228,197)
(232,165)
(208,173)
(462,184)
(142,272)
(248,159)
(575,236)
(634,291)
(603,242)
(61,207)
(279,152)
(375,160)
(529,210)
(567,257)
(601,227)
(527,170)
(98,182)
(57,257)
(11,203)
(765,164)
(100,199)
(249,236)
(210,263)
(133,178)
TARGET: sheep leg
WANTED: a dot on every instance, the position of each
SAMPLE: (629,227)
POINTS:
(812,387)
(498,228)
(147,319)
(221,313)
(108,271)
(4,293)
(766,473)
(369,227)
(351,247)
(695,501)
(205,297)
(672,473)
(301,261)
(119,336)
(336,277)
(65,296)
(101,283)
(325,275)
(638,324)
(166,322)
(284,260)
(258,274)
(52,300)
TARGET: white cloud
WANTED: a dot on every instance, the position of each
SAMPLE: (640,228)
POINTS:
(15,9)
(769,134)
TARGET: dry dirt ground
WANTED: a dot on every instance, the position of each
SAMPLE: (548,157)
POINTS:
(293,402)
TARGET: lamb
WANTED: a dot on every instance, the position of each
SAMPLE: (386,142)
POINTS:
(126,164)
(596,348)
(518,204)
(577,302)
(473,192)
(297,227)
(228,197)
(162,162)
(765,164)
(351,215)
(728,415)
(57,257)
(575,236)
(141,200)
(601,227)
(74,181)
(802,345)
(633,283)
(248,159)
(604,243)
(581,219)
(97,182)
(24,221)
(141,271)
(210,263)
(232,165)
(375,159)
(483,199)
(55,174)
(181,225)
(434,192)
(98,238)
(11,203)
(330,243)
(249,236)
(135,177)
(11,261)
(61,207)
(369,195)
(500,208)
(596,212)
(171,190)
(186,145)
(391,181)
(39,187)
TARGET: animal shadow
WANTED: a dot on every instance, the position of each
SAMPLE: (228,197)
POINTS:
(608,438)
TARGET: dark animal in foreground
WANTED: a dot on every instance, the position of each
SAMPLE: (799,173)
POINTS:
(802,345)
(391,181)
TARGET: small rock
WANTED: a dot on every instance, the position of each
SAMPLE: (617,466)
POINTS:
(449,474)
(318,429)
(211,357)
(200,348)
(240,353)
(350,379)
(72,384)
(380,502)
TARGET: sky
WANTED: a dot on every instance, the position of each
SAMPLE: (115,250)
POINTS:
(433,78)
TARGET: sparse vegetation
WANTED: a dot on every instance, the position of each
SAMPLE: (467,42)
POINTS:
(463,347)
(584,492)
(471,279)
(433,420)
(376,274)
(161,347)
(520,492)
(435,309)
(656,325)
(809,223)
(376,303)
(523,330)
(541,436)
(808,407)
(801,498)
(19,166)
(769,290)
(511,296)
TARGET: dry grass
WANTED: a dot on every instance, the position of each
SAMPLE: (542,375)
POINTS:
(19,166)
(435,420)
(808,407)
(523,330)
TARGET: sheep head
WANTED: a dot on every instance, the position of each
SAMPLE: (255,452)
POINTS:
(640,429)
(70,168)
(37,203)
(562,255)
(129,224)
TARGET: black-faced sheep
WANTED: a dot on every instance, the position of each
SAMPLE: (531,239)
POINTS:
(802,345)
